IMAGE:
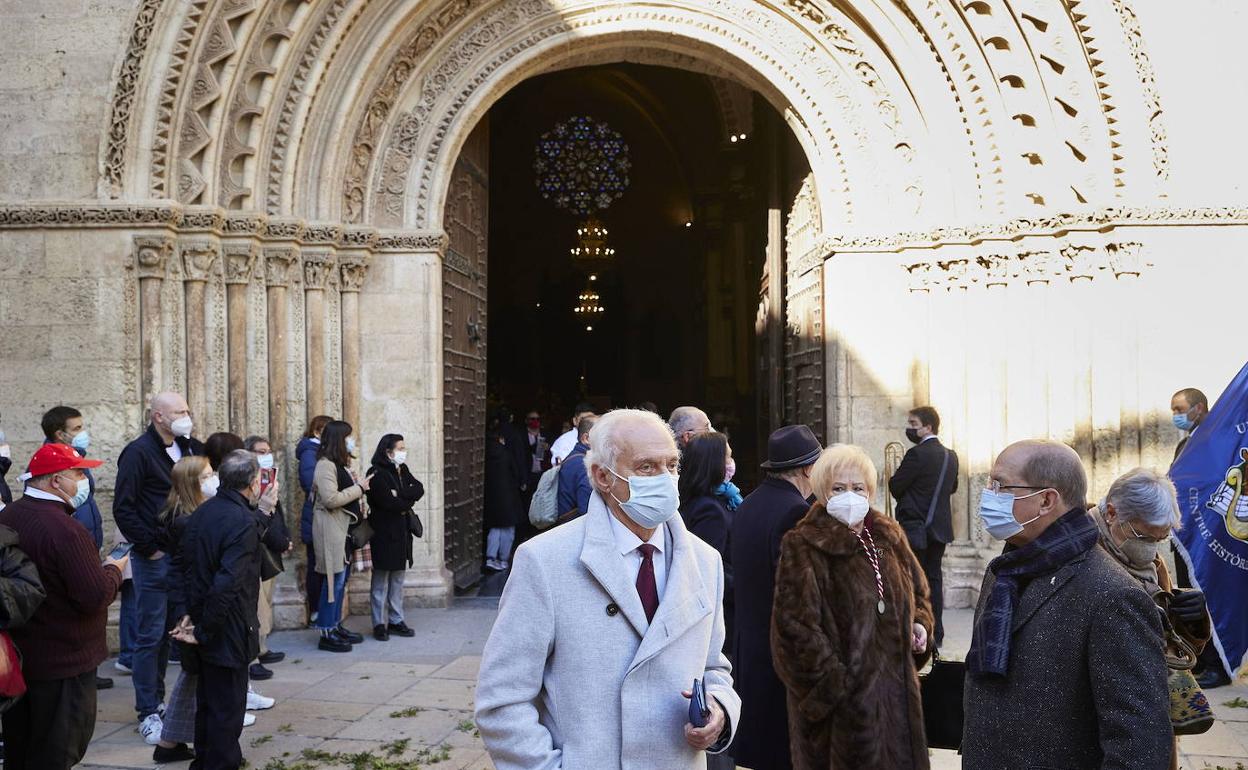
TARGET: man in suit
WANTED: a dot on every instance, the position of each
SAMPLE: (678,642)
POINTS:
(1066,666)
(760,523)
(221,572)
(914,486)
(687,422)
(607,621)
(1188,408)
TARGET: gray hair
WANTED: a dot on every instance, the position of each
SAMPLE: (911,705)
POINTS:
(238,470)
(685,418)
(1054,465)
(1143,494)
(606,449)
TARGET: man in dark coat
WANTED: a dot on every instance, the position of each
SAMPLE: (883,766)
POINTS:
(761,521)
(574,486)
(914,488)
(139,494)
(221,572)
(1066,666)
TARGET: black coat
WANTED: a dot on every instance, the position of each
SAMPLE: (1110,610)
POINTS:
(707,517)
(221,570)
(758,525)
(503,505)
(913,485)
(391,493)
(142,487)
(1086,684)
(6,496)
(273,533)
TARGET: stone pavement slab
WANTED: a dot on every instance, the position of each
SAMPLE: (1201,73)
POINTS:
(409,702)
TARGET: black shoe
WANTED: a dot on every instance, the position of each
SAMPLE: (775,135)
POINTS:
(381,634)
(401,629)
(258,672)
(103,683)
(179,753)
(272,657)
(332,643)
(348,634)
(1213,677)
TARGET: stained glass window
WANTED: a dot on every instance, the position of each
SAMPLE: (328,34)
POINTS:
(582,165)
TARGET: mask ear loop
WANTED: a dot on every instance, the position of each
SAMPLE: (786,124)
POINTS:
(1024,497)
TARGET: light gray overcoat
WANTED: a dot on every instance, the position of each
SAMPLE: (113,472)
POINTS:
(573,676)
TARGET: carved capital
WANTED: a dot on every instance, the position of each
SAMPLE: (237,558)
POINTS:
(317,268)
(358,237)
(1082,261)
(957,273)
(208,218)
(285,228)
(244,223)
(353,271)
(198,259)
(426,241)
(277,264)
(240,262)
(321,233)
(151,254)
(1125,258)
(922,276)
(996,269)
(1040,266)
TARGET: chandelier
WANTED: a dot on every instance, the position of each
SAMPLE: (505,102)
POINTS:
(588,302)
(591,246)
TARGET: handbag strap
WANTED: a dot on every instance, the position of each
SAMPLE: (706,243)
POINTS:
(940,485)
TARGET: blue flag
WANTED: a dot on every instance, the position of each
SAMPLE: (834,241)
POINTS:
(1211,476)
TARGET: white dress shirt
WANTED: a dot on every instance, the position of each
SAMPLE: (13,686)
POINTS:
(626,542)
(563,446)
(39,494)
(174,451)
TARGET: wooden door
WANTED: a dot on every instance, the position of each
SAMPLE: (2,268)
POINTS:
(803,344)
(463,347)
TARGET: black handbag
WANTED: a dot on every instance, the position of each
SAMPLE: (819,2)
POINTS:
(414,525)
(360,533)
(941,691)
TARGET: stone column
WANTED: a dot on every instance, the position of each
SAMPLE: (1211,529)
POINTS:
(317,268)
(199,258)
(278,261)
(353,270)
(152,259)
(240,267)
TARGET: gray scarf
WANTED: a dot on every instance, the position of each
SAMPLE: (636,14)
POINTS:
(1146,574)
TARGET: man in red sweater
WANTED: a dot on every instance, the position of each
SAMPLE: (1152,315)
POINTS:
(63,643)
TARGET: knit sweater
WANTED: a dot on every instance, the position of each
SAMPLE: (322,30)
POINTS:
(65,637)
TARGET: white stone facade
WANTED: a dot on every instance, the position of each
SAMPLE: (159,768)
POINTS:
(1031,212)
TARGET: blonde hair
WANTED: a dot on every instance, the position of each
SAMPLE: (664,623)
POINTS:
(185,494)
(837,458)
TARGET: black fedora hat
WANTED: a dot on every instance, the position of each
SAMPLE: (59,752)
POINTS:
(792,446)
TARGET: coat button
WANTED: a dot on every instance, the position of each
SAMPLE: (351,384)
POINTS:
(613,609)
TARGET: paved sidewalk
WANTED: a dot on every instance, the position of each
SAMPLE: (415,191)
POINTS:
(407,703)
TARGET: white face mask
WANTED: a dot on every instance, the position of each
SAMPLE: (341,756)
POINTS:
(849,508)
(210,485)
(400,457)
(181,426)
(265,460)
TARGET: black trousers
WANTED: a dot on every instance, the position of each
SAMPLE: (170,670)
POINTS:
(930,559)
(220,703)
(314,580)
(50,727)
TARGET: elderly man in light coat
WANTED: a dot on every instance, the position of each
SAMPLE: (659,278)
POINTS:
(606,622)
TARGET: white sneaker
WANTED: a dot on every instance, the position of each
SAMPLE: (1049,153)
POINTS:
(258,702)
(249,720)
(150,728)
(121,669)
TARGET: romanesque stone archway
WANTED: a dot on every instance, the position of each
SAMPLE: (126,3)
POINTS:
(282,163)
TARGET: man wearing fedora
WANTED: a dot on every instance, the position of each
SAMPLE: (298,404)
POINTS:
(63,642)
(781,500)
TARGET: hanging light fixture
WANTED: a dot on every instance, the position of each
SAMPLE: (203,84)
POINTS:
(588,302)
(591,243)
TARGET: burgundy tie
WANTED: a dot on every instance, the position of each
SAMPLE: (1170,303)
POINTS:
(646,587)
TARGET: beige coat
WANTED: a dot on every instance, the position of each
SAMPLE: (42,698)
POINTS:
(330,518)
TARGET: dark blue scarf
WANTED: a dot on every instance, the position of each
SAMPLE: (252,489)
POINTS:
(1071,536)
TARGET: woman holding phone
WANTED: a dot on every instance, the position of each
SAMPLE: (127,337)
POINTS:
(336,506)
(276,542)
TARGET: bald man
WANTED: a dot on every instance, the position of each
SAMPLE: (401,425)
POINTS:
(687,422)
(1066,666)
(142,487)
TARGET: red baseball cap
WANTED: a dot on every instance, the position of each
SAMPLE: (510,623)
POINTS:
(54,458)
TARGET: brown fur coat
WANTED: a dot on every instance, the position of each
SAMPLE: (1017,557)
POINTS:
(853,688)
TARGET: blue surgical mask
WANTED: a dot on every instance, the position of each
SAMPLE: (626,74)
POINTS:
(652,500)
(1182,421)
(996,509)
(265,460)
(84,491)
(351,444)
(81,441)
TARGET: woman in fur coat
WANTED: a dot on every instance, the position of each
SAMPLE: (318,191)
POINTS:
(850,627)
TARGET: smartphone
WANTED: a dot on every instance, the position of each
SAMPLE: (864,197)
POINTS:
(120,550)
(266,477)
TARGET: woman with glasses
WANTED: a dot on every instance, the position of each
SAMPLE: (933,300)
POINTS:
(1135,520)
